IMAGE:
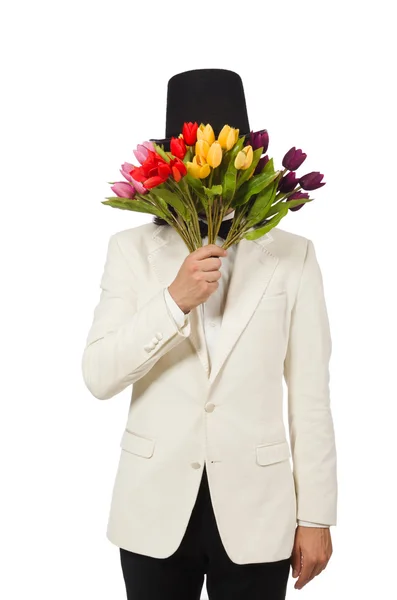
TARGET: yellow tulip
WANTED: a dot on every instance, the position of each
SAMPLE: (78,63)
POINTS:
(205,132)
(199,168)
(228,136)
(214,156)
(202,147)
(244,158)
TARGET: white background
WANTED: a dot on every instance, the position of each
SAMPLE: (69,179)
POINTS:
(84,83)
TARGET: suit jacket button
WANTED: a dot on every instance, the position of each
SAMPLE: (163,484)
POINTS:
(209,407)
(159,335)
(196,465)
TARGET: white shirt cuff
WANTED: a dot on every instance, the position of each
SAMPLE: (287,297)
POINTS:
(176,312)
(310,524)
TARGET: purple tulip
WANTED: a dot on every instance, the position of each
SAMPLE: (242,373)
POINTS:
(125,171)
(259,139)
(293,159)
(142,151)
(297,196)
(288,182)
(261,164)
(123,189)
(311,181)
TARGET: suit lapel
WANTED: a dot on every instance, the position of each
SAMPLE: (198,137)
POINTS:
(253,269)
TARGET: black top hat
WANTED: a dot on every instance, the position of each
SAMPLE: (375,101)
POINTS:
(214,96)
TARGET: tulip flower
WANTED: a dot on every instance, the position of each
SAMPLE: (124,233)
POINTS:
(189,132)
(142,151)
(293,159)
(244,158)
(178,168)
(259,139)
(297,196)
(199,168)
(227,137)
(311,181)
(288,182)
(205,132)
(123,189)
(261,164)
(178,147)
(214,155)
(152,172)
(125,171)
(202,148)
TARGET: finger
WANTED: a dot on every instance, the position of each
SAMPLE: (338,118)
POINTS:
(296,562)
(305,574)
(210,250)
(210,264)
(320,567)
(316,571)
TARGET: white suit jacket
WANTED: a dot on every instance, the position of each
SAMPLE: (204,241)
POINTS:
(184,414)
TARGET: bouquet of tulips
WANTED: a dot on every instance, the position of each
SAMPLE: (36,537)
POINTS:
(205,174)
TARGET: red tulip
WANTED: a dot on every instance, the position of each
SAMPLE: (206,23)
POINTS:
(153,181)
(153,171)
(189,132)
(178,147)
(178,168)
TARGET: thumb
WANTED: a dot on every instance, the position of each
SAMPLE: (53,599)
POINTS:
(296,561)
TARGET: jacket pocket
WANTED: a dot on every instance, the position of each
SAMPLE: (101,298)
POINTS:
(273,302)
(267,454)
(137,444)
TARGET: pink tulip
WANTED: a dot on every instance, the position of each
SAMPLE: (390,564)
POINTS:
(141,152)
(123,189)
(140,188)
(125,171)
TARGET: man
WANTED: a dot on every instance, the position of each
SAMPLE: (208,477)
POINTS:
(204,484)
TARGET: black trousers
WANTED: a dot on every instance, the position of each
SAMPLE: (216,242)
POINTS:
(181,575)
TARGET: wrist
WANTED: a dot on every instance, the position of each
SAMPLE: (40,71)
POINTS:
(183,308)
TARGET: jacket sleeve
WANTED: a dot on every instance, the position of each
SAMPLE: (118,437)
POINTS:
(306,371)
(176,312)
(124,342)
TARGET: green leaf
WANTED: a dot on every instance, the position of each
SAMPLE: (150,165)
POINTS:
(230,177)
(254,186)
(247,173)
(170,198)
(256,233)
(229,182)
(262,204)
(215,190)
(198,187)
(160,150)
(188,156)
(289,203)
(269,166)
(134,205)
